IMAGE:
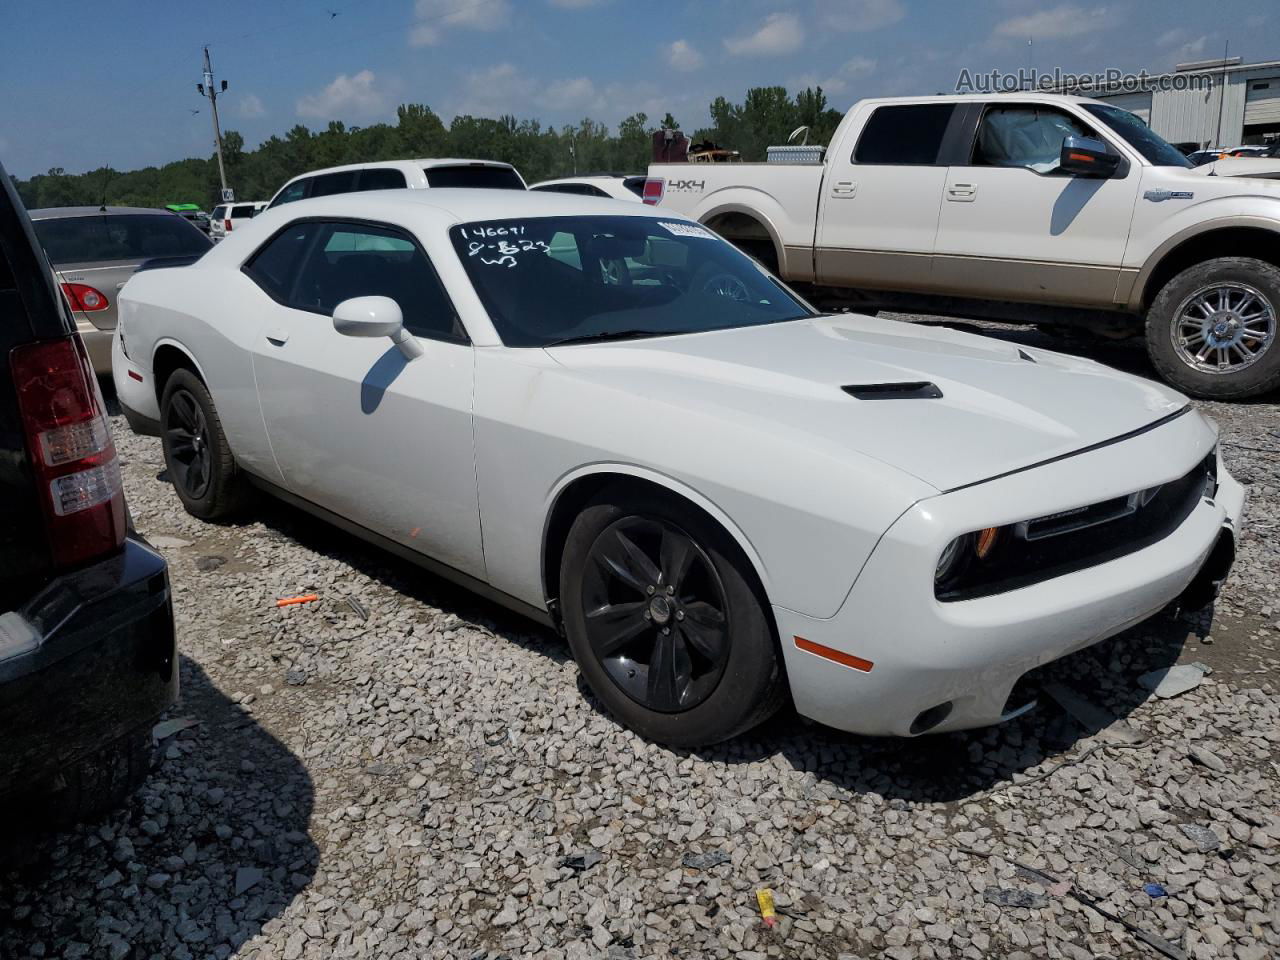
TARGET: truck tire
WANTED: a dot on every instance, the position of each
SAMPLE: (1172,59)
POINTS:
(1212,329)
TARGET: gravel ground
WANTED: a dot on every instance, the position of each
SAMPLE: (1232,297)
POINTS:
(432,781)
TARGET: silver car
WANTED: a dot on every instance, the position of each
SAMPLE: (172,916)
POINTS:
(94,250)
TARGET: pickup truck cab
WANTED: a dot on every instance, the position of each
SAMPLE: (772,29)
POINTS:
(1030,207)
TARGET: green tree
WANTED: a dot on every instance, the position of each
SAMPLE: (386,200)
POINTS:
(766,116)
(422,133)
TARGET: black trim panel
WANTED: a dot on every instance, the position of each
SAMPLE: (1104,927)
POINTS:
(431,565)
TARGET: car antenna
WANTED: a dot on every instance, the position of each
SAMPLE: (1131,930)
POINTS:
(106,182)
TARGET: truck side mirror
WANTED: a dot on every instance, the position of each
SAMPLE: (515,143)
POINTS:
(1087,157)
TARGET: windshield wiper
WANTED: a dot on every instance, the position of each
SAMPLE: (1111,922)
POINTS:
(604,335)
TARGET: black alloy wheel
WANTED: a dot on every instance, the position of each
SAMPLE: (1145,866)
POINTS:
(187,433)
(198,456)
(656,614)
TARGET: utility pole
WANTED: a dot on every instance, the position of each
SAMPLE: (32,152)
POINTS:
(208,89)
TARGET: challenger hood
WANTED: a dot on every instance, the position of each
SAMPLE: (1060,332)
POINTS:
(1002,407)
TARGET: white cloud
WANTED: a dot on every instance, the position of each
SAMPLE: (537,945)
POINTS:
(251,106)
(780,34)
(681,55)
(1181,43)
(860,16)
(1195,47)
(347,96)
(858,67)
(492,92)
(506,89)
(434,17)
(1064,22)
(569,94)
(838,81)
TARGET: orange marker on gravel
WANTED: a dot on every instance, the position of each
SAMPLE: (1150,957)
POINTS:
(290,601)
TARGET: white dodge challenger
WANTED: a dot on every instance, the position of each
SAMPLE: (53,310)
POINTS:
(617,423)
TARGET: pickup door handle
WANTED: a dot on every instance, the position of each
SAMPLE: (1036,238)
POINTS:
(844,189)
(962,192)
(278,335)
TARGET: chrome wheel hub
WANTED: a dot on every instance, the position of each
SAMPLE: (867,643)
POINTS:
(1224,327)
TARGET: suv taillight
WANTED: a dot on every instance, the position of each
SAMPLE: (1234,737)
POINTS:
(654,188)
(226,225)
(72,455)
(84,297)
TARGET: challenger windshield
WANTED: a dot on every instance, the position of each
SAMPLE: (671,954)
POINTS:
(549,280)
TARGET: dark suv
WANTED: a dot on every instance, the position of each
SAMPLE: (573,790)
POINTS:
(87,655)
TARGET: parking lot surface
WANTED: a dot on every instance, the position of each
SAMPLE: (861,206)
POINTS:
(401,769)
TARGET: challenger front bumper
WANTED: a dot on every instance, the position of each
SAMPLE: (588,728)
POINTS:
(908,663)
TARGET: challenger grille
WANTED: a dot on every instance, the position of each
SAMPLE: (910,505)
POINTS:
(1051,546)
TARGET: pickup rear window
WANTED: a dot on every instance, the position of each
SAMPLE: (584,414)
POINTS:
(489,178)
(909,134)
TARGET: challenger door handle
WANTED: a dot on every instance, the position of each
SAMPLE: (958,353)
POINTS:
(844,189)
(278,336)
(962,192)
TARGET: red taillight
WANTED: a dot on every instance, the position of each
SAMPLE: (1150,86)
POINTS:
(72,455)
(226,225)
(654,188)
(84,297)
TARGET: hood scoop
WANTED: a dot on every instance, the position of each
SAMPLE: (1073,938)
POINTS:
(910,390)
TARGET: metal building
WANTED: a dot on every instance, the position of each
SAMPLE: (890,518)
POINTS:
(1213,103)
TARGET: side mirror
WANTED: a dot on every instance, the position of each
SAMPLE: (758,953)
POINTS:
(1087,157)
(375,317)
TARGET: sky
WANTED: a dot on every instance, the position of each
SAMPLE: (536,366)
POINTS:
(87,83)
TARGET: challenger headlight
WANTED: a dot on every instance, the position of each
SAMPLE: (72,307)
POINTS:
(952,560)
(961,551)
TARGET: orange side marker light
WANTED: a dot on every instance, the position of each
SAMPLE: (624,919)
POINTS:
(837,656)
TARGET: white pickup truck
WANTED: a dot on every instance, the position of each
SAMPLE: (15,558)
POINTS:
(1032,207)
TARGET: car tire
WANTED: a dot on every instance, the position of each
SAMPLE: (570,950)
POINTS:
(734,679)
(197,455)
(1177,310)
